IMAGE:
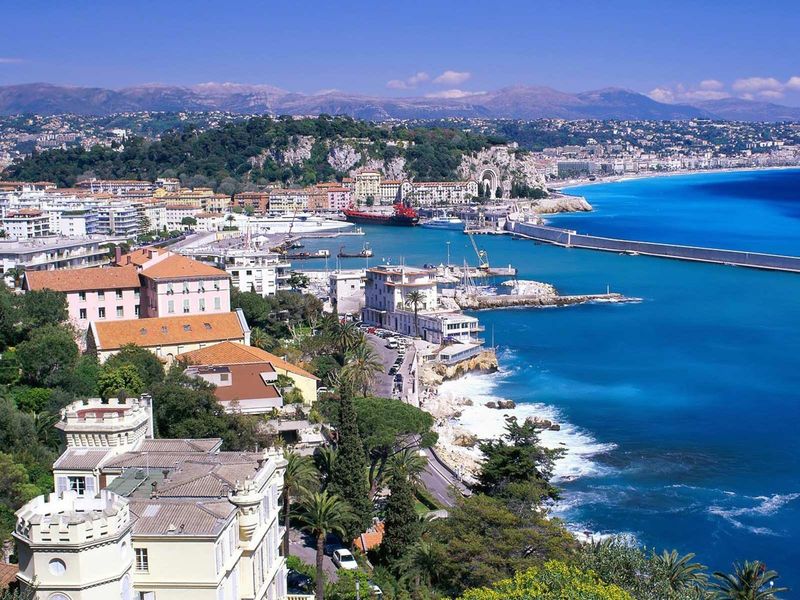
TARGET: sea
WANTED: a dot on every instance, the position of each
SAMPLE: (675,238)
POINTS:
(680,413)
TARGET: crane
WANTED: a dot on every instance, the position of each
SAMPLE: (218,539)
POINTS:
(483,258)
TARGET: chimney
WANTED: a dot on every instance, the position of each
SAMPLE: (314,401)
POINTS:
(117,255)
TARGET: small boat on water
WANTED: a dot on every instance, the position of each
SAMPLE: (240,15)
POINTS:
(443,221)
(365,252)
(324,253)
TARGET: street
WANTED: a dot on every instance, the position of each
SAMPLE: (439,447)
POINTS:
(301,545)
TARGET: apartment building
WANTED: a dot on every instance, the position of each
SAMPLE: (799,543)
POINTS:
(127,188)
(388,305)
(287,201)
(167,337)
(25,224)
(45,254)
(346,290)
(264,274)
(367,184)
(119,218)
(100,294)
(439,193)
(258,201)
(152,519)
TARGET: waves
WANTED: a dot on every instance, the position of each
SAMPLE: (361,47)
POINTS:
(764,506)
(579,445)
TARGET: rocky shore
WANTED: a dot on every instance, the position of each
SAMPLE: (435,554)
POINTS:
(434,373)
(559,204)
(543,295)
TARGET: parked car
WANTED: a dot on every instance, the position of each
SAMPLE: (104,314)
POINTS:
(391,343)
(392,369)
(298,582)
(375,591)
(344,559)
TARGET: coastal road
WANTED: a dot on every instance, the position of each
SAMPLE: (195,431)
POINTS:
(440,481)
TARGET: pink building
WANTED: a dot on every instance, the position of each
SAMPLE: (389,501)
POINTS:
(334,196)
(172,284)
(99,294)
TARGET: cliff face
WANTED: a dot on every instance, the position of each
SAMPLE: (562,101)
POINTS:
(510,165)
(560,204)
(434,373)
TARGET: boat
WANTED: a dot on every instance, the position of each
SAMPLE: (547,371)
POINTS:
(443,222)
(402,215)
(365,252)
(324,253)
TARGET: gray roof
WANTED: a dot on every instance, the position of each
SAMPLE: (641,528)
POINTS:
(184,445)
(169,516)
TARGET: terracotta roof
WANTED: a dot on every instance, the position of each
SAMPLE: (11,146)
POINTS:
(247,384)
(98,278)
(232,353)
(166,331)
(8,574)
(181,267)
(140,256)
(80,459)
(371,538)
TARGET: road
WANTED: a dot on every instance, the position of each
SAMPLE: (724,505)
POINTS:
(439,481)
(383,383)
(302,546)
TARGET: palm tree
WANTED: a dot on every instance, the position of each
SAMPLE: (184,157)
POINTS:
(299,475)
(321,514)
(324,458)
(407,464)
(16,274)
(421,564)
(348,336)
(749,581)
(259,338)
(360,365)
(679,571)
(415,298)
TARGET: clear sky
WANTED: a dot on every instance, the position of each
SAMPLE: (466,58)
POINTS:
(673,49)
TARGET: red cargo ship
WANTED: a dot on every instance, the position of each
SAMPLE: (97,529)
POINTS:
(403,216)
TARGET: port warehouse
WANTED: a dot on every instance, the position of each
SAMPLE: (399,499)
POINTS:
(568,238)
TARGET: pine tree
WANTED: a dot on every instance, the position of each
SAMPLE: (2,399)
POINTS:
(401,525)
(349,473)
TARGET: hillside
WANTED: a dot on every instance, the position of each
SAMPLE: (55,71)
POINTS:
(262,150)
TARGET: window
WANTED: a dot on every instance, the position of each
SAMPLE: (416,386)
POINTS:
(147,596)
(185,287)
(101,295)
(171,306)
(136,310)
(169,289)
(186,307)
(101,312)
(142,563)
(202,304)
(120,312)
(82,296)
(217,303)
(82,313)
(223,377)
(119,294)
(57,567)
(77,484)
(216,285)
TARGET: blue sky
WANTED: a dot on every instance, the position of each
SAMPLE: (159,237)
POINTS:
(674,50)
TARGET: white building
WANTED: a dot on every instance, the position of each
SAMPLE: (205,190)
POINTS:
(258,272)
(176,213)
(118,218)
(44,254)
(162,519)
(25,224)
(388,304)
(439,193)
(346,291)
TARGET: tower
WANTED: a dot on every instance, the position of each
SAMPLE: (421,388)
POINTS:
(76,547)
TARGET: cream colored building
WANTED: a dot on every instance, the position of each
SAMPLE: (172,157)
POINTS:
(173,520)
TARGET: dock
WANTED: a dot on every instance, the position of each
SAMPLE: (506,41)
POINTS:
(571,239)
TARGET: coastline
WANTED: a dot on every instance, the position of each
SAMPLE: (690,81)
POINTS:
(563,188)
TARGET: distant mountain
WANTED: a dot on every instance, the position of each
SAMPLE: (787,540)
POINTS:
(736,109)
(517,102)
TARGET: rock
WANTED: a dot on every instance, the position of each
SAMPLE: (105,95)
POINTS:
(467,402)
(491,404)
(506,404)
(465,440)
(343,157)
(555,427)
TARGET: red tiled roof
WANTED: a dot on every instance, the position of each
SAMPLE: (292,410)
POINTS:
(181,267)
(67,280)
(8,574)
(168,331)
(232,353)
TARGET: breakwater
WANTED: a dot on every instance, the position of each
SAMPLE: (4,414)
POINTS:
(572,239)
(483,302)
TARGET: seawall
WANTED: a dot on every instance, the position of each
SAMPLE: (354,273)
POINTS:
(572,239)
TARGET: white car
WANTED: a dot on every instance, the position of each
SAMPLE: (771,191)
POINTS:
(344,559)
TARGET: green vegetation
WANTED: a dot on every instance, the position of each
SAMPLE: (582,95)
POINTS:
(243,153)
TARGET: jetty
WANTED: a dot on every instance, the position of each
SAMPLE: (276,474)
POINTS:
(487,302)
(571,239)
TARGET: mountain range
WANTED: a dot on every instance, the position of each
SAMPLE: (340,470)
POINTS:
(516,102)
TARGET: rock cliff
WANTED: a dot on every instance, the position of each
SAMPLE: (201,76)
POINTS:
(434,373)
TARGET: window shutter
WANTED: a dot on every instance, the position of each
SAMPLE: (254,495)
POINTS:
(62,484)
(90,491)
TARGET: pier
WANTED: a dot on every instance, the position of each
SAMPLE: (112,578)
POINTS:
(572,239)
(488,302)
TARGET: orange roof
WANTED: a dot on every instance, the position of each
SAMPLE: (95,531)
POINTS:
(230,353)
(181,267)
(8,574)
(139,256)
(247,384)
(371,538)
(167,331)
(69,280)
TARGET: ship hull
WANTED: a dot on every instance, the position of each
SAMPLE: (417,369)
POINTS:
(369,219)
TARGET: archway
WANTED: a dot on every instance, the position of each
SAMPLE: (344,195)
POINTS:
(489,178)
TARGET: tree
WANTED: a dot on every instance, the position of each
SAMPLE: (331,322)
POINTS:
(680,572)
(189,221)
(259,339)
(324,459)
(297,281)
(147,365)
(32,400)
(299,475)
(43,307)
(749,581)
(349,472)
(122,382)
(401,525)
(320,514)
(361,365)
(415,299)
(552,581)
(517,457)
(48,356)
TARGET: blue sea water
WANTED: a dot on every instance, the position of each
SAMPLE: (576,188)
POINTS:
(691,397)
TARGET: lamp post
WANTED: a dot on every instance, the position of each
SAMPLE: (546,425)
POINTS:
(448,254)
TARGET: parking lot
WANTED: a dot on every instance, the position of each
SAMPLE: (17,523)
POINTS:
(395,354)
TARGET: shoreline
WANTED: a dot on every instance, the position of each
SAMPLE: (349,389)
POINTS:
(573,183)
